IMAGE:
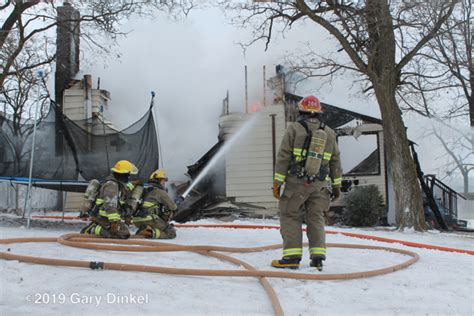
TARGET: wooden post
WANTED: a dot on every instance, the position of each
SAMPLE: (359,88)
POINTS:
(273,141)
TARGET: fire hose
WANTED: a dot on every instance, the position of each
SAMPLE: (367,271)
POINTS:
(246,226)
(140,245)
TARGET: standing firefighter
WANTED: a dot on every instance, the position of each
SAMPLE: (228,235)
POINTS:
(154,215)
(308,159)
(113,202)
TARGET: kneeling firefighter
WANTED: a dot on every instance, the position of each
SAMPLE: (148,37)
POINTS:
(153,217)
(308,158)
(113,202)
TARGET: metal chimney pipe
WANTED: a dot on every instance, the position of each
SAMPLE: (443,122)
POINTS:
(246,92)
(264,88)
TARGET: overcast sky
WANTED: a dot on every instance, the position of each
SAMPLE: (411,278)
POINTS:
(190,63)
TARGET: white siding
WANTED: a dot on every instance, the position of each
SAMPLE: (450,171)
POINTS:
(74,102)
(465,209)
(378,180)
(249,163)
(74,109)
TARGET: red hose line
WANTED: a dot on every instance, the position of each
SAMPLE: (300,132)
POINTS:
(59,217)
(253,226)
(362,236)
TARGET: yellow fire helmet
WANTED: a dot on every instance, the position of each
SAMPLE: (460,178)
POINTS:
(158,174)
(124,166)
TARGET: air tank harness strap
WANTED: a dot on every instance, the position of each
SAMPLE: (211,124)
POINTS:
(306,161)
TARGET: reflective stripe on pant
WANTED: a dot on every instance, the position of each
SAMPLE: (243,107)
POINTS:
(95,229)
(316,204)
(291,218)
(111,215)
(156,226)
(110,229)
(292,252)
(315,198)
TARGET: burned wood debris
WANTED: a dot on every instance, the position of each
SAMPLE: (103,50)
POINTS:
(200,204)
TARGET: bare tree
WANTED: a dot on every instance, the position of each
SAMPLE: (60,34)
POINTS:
(443,70)
(459,154)
(380,39)
(440,85)
(33,22)
(21,95)
(28,43)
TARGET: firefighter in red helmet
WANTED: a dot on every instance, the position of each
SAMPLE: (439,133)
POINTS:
(308,162)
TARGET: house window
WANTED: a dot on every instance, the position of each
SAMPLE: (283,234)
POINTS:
(359,156)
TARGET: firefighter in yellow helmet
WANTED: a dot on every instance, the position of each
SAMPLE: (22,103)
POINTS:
(112,212)
(308,162)
(153,217)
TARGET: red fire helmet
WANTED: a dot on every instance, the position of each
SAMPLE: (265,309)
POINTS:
(310,104)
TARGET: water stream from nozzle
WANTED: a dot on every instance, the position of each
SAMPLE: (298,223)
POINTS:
(227,145)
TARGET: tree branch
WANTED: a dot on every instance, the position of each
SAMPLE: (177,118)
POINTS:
(427,37)
(301,5)
(13,18)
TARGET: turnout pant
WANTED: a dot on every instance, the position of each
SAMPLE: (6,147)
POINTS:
(102,227)
(153,226)
(300,202)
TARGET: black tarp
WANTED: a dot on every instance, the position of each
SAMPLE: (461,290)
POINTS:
(65,149)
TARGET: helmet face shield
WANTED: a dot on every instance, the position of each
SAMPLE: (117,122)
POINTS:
(310,105)
(134,170)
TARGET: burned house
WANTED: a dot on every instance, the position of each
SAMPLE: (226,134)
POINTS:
(244,171)
(246,168)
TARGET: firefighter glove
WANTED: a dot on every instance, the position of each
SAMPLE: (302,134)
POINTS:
(127,211)
(178,200)
(128,221)
(336,193)
(114,227)
(276,189)
(166,215)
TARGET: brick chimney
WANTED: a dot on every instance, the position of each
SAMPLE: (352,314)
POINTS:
(67,48)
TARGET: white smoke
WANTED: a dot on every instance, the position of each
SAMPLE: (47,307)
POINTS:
(191,62)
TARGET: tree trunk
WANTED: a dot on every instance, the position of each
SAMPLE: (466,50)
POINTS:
(470,99)
(408,197)
(385,79)
(465,176)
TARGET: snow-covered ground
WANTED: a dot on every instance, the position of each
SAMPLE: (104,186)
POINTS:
(440,283)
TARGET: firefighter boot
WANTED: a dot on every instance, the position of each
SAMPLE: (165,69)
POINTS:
(148,232)
(95,229)
(122,232)
(317,262)
(287,263)
(168,233)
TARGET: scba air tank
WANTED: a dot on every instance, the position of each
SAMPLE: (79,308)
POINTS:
(136,197)
(315,154)
(90,195)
